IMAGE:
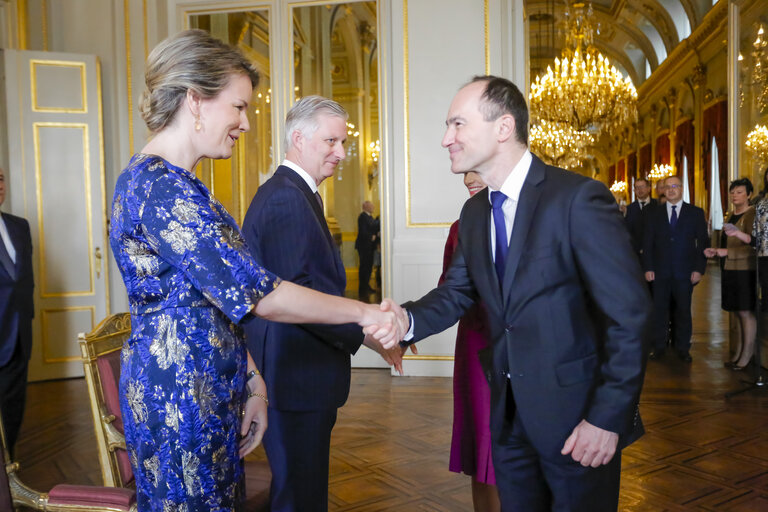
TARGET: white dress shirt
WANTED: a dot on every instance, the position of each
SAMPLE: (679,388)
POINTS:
(7,240)
(510,188)
(679,205)
(301,172)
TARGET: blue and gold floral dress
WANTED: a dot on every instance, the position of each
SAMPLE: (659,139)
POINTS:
(190,281)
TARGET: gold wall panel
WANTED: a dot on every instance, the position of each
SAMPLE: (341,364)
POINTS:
(50,80)
(54,207)
(64,324)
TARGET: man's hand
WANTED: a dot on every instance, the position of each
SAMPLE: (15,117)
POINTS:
(695,277)
(402,315)
(393,356)
(590,445)
(382,324)
(650,276)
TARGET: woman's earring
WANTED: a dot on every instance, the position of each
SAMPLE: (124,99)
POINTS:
(198,125)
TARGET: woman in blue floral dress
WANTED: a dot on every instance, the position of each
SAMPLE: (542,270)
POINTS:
(192,400)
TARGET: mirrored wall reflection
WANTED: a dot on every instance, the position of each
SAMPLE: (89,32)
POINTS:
(235,181)
(335,54)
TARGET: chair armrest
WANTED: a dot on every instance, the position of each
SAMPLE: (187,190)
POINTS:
(21,494)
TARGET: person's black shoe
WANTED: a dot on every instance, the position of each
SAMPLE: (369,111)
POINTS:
(685,357)
(655,355)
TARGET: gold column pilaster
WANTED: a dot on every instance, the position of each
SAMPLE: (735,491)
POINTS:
(22,24)
(699,81)
(734,11)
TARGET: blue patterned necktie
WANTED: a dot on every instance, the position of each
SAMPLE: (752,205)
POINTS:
(497,200)
(673,217)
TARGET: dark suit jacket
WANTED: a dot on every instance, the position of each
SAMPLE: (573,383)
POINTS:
(634,220)
(16,301)
(675,253)
(367,229)
(570,321)
(306,367)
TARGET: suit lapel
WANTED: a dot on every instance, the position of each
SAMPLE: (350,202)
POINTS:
(524,215)
(320,217)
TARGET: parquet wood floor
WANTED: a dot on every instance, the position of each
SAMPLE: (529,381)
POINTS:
(390,447)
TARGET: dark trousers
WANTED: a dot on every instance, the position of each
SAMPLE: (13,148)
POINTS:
(528,482)
(13,392)
(364,272)
(298,446)
(677,292)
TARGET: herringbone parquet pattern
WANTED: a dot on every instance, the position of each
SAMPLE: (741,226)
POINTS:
(390,446)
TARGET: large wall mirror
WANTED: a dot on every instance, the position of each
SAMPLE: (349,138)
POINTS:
(334,53)
(235,181)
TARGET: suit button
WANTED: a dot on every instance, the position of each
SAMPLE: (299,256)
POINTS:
(508,329)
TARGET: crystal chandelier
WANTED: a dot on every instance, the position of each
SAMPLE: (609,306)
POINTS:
(757,144)
(760,70)
(661,171)
(619,187)
(560,144)
(584,90)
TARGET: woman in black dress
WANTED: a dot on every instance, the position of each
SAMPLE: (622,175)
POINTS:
(738,276)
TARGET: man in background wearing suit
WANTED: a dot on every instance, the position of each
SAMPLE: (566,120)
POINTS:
(367,239)
(674,238)
(548,253)
(634,215)
(16,312)
(306,367)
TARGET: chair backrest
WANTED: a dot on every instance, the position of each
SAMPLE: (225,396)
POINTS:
(100,350)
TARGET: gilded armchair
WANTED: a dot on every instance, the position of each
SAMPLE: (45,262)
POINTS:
(100,350)
(62,498)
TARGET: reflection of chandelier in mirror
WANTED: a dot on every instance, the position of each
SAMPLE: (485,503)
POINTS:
(659,171)
(584,89)
(559,144)
(619,187)
(757,144)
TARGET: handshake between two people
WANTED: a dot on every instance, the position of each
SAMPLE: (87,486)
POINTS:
(384,326)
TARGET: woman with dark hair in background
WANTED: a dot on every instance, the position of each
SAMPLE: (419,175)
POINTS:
(739,289)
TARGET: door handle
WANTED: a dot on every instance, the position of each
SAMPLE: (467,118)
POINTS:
(98,262)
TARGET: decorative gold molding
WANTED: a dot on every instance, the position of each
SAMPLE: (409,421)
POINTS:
(710,27)
(129,87)
(406,133)
(34,63)
(429,358)
(22,24)
(39,193)
(44,329)
(44,15)
(102,176)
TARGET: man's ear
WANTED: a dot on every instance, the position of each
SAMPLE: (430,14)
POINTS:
(298,139)
(505,128)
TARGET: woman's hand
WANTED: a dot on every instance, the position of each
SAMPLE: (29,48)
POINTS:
(383,324)
(254,416)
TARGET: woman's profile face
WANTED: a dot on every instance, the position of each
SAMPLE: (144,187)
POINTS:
(224,117)
(473,182)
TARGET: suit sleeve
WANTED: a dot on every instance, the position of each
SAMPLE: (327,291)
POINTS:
(702,242)
(613,279)
(446,304)
(279,242)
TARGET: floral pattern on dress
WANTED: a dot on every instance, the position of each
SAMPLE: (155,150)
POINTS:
(190,281)
(760,227)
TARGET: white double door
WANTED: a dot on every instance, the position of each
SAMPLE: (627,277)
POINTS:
(56,181)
